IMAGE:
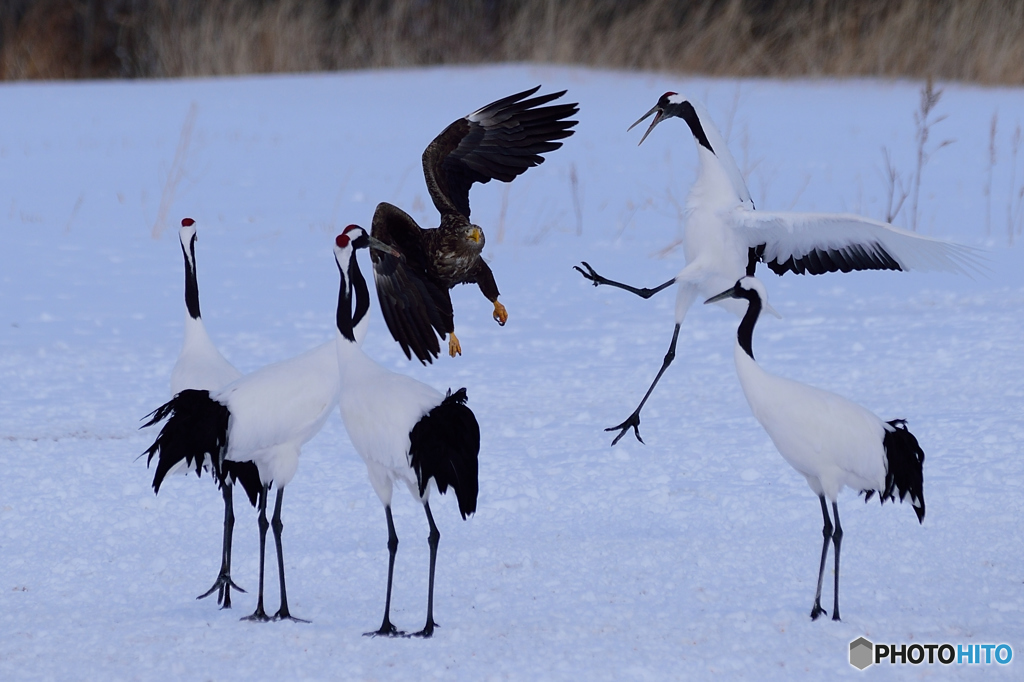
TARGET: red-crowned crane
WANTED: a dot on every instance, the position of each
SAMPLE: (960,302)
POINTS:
(405,431)
(201,366)
(724,237)
(833,442)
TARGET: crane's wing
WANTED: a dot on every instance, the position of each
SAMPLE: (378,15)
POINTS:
(815,243)
(412,304)
(500,141)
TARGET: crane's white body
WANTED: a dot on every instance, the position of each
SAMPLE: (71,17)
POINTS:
(379,408)
(832,441)
(716,256)
(278,408)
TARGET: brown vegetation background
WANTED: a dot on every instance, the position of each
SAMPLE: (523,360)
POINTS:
(965,40)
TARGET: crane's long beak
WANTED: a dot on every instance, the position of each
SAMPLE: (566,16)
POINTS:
(731,293)
(657,119)
(728,293)
(381,246)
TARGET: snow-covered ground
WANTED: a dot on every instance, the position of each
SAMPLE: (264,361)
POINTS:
(691,557)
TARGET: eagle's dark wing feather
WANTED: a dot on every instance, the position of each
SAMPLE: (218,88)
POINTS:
(412,304)
(500,141)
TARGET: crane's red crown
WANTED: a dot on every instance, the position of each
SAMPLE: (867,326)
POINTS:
(663,101)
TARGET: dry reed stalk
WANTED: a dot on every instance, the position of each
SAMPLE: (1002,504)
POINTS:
(987,189)
(1013,205)
(897,192)
(924,121)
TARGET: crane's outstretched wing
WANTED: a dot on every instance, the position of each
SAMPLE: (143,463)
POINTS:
(816,243)
(413,306)
(500,141)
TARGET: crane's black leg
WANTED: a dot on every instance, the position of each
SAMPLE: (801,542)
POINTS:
(386,628)
(826,532)
(433,539)
(837,540)
(634,419)
(598,280)
(224,583)
(282,613)
(259,614)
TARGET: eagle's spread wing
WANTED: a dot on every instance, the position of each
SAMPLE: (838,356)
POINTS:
(500,141)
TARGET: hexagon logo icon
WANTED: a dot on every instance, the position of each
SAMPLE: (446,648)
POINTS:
(862,653)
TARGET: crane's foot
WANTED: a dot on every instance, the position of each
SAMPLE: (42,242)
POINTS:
(454,347)
(632,421)
(500,314)
(386,630)
(222,586)
(590,273)
(427,631)
(817,611)
(258,616)
(283,614)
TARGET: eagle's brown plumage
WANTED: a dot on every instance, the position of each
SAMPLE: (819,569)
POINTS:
(500,141)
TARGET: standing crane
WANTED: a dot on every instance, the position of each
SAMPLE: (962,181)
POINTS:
(200,365)
(833,442)
(405,431)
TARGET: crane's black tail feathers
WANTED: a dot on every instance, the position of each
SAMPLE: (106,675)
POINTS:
(247,475)
(196,426)
(444,446)
(904,467)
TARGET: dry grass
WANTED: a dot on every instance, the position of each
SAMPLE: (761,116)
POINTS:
(980,40)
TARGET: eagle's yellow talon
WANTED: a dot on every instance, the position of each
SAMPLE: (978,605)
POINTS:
(454,347)
(500,314)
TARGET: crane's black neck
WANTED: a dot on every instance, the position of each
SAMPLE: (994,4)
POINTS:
(191,282)
(686,112)
(352,286)
(745,334)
